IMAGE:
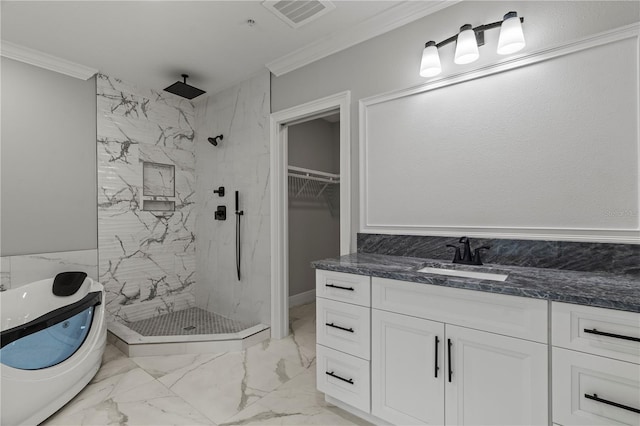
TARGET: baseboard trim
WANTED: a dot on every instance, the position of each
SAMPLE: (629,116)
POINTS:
(302,298)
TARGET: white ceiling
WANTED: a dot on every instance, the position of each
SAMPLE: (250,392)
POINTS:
(150,43)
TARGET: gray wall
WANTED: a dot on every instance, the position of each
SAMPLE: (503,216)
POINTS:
(314,233)
(391,61)
(48,160)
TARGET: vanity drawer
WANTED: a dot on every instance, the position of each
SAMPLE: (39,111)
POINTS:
(343,287)
(576,374)
(513,316)
(344,377)
(579,327)
(344,327)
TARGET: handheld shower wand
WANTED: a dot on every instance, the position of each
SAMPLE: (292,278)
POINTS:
(238,242)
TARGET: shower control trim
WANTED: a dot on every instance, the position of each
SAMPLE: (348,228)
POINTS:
(219,191)
(220,213)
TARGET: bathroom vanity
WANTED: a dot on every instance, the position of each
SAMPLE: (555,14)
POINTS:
(399,346)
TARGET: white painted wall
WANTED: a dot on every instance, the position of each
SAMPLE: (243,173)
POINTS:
(314,232)
(239,162)
(48,161)
(390,62)
(549,147)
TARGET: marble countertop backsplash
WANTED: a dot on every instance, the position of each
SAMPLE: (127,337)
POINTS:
(598,289)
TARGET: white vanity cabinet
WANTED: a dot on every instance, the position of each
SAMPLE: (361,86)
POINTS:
(428,371)
(409,353)
(596,366)
(343,334)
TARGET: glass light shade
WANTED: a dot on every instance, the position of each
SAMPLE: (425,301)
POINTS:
(430,64)
(466,46)
(511,37)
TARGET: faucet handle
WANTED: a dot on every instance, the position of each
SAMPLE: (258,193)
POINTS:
(476,255)
(467,258)
(456,256)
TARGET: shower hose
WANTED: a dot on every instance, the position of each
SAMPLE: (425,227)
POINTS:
(238,243)
(238,252)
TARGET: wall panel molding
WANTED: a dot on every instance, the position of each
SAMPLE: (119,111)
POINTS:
(382,125)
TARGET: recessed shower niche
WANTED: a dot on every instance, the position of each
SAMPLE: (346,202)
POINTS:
(158,180)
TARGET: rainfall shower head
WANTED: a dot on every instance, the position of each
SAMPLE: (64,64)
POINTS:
(214,141)
(183,89)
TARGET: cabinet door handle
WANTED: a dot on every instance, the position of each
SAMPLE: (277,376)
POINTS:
(617,336)
(332,374)
(339,287)
(615,404)
(350,330)
(437,368)
(449,344)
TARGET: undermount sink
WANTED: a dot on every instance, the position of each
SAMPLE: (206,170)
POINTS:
(464,274)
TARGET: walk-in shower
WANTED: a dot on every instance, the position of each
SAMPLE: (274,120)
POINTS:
(161,296)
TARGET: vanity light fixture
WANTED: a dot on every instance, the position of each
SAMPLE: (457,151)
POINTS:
(468,40)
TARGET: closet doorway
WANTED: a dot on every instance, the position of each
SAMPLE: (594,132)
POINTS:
(314,201)
(310,165)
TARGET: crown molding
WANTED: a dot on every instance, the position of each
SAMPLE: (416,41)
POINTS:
(46,61)
(395,17)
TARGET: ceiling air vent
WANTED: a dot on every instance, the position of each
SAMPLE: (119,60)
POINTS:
(297,13)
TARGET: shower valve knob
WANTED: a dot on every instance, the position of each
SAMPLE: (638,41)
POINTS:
(220,213)
(219,191)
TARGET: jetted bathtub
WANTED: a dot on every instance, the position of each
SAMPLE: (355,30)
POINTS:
(53,338)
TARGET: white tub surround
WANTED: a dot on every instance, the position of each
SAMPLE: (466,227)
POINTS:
(16,271)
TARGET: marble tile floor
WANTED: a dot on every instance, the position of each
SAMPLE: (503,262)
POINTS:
(269,383)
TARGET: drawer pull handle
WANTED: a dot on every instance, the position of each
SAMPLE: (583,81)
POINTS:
(339,287)
(617,336)
(615,404)
(332,374)
(437,368)
(350,330)
(449,344)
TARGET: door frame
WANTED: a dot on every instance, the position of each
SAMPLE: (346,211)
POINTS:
(280,199)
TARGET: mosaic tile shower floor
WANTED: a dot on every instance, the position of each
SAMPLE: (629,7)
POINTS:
(187,322)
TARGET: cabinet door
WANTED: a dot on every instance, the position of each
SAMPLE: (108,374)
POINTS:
(406,386)
(495,380)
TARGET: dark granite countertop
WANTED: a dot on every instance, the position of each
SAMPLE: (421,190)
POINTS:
(597,289)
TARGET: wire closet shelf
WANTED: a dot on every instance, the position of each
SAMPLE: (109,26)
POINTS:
(312,185)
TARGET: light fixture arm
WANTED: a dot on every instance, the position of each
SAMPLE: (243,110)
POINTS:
(479,31)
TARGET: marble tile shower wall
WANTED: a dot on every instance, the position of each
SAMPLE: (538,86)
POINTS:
(146,258)
(569,255)
(239,162)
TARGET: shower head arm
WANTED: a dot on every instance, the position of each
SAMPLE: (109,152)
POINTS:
(214,141)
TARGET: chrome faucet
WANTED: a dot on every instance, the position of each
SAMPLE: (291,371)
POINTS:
(467,258)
